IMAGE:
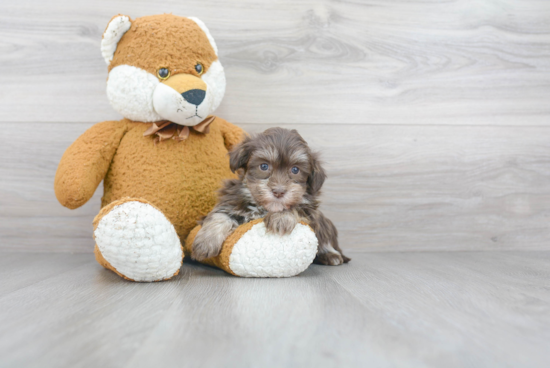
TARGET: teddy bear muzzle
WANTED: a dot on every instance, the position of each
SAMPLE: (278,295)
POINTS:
(182,99)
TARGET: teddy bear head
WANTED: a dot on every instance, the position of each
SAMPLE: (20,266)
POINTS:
(162,67)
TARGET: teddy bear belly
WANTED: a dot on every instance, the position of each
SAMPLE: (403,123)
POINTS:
(180,178)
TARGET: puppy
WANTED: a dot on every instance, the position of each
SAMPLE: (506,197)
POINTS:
(279,180)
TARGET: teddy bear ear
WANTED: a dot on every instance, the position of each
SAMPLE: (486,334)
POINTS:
(116,28)
(202,26)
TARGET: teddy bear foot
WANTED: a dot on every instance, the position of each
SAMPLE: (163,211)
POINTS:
(135,240)
(252,252)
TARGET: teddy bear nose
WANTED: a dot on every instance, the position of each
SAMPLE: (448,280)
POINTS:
(194,96)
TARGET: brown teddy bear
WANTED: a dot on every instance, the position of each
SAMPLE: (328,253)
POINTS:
(162,164)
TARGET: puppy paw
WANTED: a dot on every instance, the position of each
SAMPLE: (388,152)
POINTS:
(209,240)
(331,259)
(205,247)
(280,223)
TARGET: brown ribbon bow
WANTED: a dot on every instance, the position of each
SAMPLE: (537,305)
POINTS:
(163,130)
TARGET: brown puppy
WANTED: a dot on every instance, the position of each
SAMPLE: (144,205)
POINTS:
(280,179)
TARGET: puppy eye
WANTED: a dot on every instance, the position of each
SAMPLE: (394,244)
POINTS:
(264,167)
(163,73)
(295,170)
(199,68)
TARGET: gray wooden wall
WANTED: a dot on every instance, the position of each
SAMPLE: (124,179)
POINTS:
(433,117)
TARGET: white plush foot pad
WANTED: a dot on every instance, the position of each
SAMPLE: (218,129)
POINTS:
(140,242)
(257,254)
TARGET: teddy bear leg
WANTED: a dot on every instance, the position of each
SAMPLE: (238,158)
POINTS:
(135,240)
(251,252)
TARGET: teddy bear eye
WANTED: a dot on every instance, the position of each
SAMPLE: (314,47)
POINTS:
(163,73)
(264,167)
(295,170)
(199,68)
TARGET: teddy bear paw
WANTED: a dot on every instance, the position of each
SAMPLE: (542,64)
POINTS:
(139,242)
(259,253)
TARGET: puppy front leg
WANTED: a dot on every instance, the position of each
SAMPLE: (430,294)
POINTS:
(328,252)
(281,223)
(216,227)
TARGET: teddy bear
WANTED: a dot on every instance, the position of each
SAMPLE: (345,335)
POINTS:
(163,162)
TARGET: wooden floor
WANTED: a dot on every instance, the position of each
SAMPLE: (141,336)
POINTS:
(415,309)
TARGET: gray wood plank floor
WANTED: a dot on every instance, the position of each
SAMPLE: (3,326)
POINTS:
(415,309)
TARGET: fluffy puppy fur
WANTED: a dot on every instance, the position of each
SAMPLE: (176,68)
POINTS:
(280,180)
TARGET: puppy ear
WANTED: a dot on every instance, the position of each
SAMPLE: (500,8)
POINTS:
(240,154)
(317,177)
(117,27)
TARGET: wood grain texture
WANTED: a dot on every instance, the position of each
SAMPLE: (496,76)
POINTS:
(19,270)
(426,309)
(426,112)
(389,187)
(306,61)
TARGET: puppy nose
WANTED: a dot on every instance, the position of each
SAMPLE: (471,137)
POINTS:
(194,96)
(278,192)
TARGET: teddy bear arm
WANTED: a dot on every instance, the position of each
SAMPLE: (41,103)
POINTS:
(85,163)
(232,134)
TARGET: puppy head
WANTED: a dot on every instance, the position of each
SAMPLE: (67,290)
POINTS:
(279,168)
(162,67)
